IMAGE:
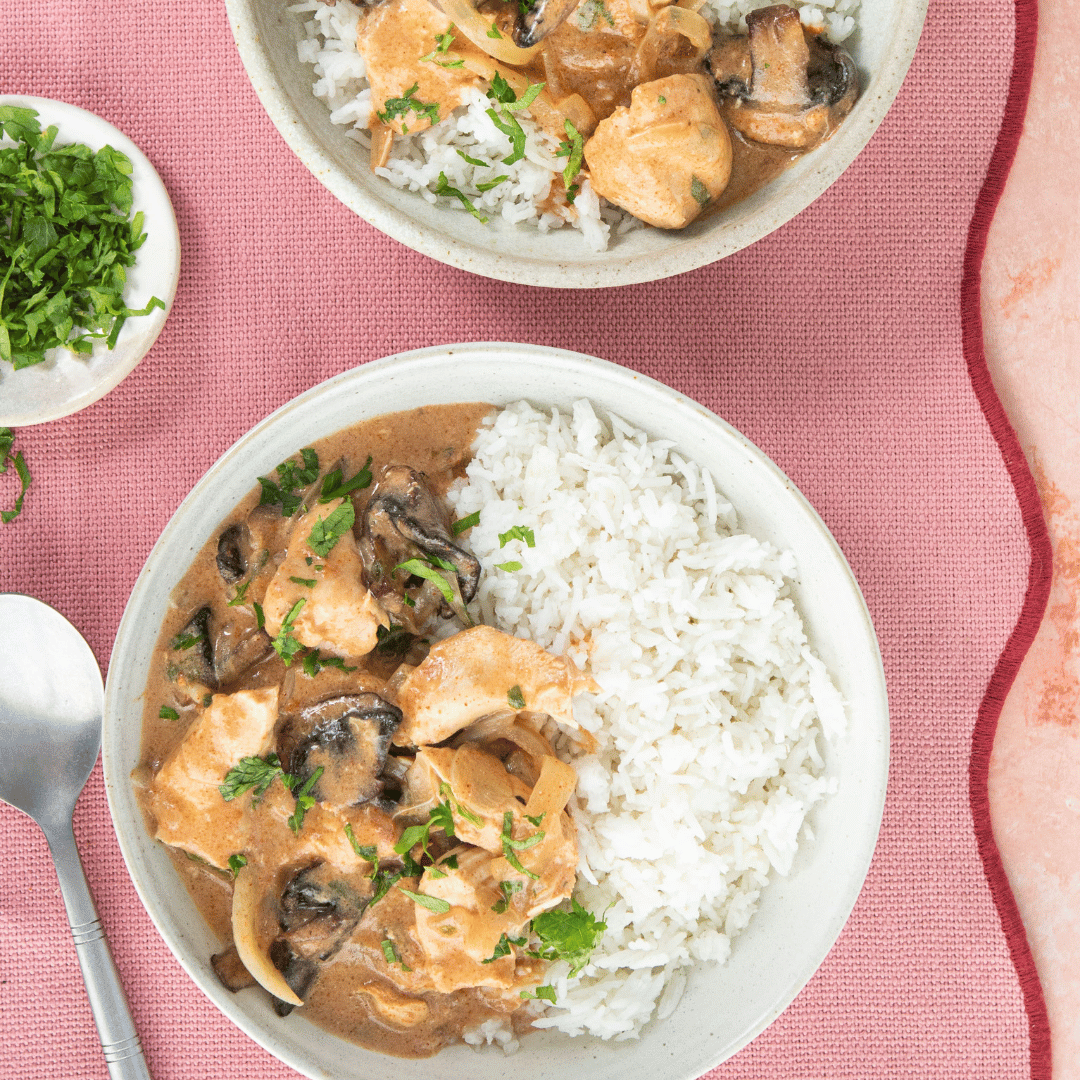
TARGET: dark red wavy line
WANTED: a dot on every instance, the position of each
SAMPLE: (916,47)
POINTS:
(1041,568)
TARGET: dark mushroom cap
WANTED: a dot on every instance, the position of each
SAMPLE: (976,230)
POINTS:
(348,736)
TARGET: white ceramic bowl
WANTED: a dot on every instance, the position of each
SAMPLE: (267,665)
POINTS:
(800,916)
(266,34)
(65,382)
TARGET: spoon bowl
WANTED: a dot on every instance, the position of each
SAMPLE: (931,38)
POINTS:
(51,704)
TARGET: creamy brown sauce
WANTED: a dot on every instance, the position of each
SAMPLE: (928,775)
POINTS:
(431,440)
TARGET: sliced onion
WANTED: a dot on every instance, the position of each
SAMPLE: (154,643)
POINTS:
(553,788)
(670,23)
(247,897)
(382,139)
(475,27)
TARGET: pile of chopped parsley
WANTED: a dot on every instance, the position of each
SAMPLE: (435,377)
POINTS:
(66,240)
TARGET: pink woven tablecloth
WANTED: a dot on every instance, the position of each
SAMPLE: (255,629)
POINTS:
(835,344)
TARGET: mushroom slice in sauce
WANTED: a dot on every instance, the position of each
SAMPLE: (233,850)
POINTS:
(780,85)
(232,553)
(537,19)
(230,970)
(193,651)
(403,520)
(348,736)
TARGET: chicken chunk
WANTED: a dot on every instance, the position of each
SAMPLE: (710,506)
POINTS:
(409,93)
(667,156)
(474,673)
(185,800)
(338,614)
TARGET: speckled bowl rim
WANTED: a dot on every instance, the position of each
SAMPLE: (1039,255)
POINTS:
(701,244)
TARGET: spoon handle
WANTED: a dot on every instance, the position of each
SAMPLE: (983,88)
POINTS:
(119,1040)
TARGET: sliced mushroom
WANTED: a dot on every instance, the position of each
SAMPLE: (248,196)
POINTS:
(193,650)
(232,553)
(537,19)
(781,85)
(230,970)
(348,736)
(402,521)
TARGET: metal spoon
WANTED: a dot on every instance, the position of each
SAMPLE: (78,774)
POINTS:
(51,701)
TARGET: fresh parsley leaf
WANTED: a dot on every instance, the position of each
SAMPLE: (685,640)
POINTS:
(501,90)
(509,126)
(479,164)
(450,862)
(527,98)
(419,568)
(260,619)
(507,888)
(314,663)
(389,950)
(515,698)
(545,993)
(661,99)
(384,881)
(493,32)
(518,532)
(304,800)
(237,863)
(67,239)
(443,188)
(699,191)
(441,45)
(334,487)
(568,935)
(251,774)
(285,645)
(510,846)
(573,149)
(459,526)
(447,793)
(167,713)
(503,948)
(241,592)
(7,436)
(182,642)
(292,476)
(402,106)
(509,567)
(367,852)
(325,534)
(432,903)
(487,185)
(442,817)
(308,583)
(394,640)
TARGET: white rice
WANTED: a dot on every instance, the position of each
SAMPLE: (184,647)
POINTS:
(329,44)
(712,709)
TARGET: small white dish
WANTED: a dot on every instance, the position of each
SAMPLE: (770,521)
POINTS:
(64,382)
(800,915)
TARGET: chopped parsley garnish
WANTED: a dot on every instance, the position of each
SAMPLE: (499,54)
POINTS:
(433,903)
(509,567)
(237,863)
(507,888)
(662,99)
(699,191)
(572,193)
(441,818)
(419,568)
(459,526)
(573,149)
(367,852)
(537,821)
(325,534)
(515,697)
(66,241)
(568,935)
(314,663)
(402,106)
(510,846)
(544,993)
(335,487)
(444,188)
(487,185)
(503,93)
(384,881)
(241,592)
(532,92)
(304,800)
(308,583)
(260,618)
(182,642)
(493,32)
(446,792)
(472,161)
(389,950)
(7,441)
(393,640)
(518,532)
(503,948)
(167,713)
(590,11)
(285,645)
(291,477)
(253,774)
(450,862)
(441,45)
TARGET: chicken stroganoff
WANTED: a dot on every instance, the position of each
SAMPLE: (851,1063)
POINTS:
(381,813)
(536,111)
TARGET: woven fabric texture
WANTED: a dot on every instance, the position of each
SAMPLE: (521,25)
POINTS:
(834,344)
